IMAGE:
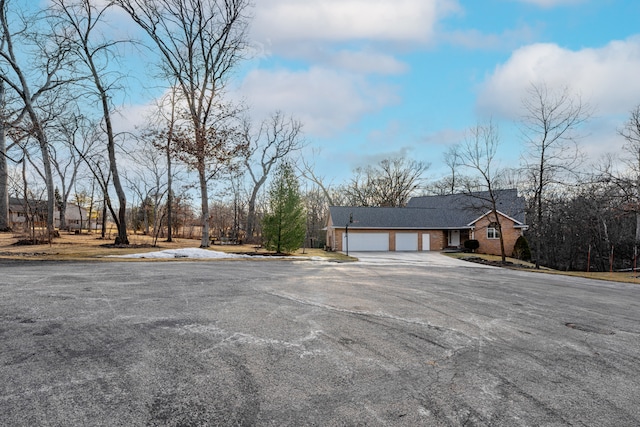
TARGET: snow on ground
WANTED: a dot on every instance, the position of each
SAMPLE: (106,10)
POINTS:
(182,253)
(197,253)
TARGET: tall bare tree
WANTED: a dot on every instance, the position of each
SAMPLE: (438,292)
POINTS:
(147,181)
(163,139)
(95,52)
(478,153)
(549,126)
(307,170)
(276,138)
(66,156)
(33,75)
(631,133)
(4,169)
(200,41)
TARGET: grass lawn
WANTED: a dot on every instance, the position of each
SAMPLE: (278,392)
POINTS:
(70,246)
(628,276)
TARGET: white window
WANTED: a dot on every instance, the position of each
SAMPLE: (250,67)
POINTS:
(492,231)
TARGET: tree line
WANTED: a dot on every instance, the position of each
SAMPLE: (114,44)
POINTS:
(61,87)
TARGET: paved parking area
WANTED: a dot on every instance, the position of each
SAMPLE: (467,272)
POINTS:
(425,259)
(281,343)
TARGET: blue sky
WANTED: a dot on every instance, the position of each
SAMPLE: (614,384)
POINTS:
(372,79)
(376,78)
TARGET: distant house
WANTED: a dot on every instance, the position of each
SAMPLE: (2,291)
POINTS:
(429,223)
(21,212)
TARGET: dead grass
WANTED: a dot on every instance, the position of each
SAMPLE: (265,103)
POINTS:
(626,277)
(74,247)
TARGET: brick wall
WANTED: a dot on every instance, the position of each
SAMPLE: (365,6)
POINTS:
(492,246)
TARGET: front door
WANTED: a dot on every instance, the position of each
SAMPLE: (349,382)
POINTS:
(454,238)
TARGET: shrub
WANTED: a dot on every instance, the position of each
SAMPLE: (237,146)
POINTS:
(521,249)
(472,244)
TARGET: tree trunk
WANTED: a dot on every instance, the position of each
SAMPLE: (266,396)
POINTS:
(122,238)
(5,224)
(169,195)
(48,176)
(538,202)
(103,231)
(63,214)
(251,214)
(80,213)
(205,242)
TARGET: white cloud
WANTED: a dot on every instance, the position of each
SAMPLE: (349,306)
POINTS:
(367,62)
(326,101)
(346,20)
(606,77)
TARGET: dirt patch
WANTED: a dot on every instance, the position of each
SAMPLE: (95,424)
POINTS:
(23,254)
(31,242)
(130,246)
(506,264)
(262,254)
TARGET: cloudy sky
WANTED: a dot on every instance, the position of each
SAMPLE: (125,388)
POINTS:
(376,78)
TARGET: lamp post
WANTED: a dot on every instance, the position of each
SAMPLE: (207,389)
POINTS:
(346,231)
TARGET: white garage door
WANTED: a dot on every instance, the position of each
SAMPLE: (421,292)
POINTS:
(360,242)
(406,242)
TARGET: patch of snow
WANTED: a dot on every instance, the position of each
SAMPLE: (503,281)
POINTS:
(198,253)
(182,253)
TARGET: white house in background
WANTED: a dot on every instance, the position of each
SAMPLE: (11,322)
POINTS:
(75,217)
(19,211)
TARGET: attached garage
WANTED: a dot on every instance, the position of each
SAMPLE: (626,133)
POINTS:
(407,242)
(362,242)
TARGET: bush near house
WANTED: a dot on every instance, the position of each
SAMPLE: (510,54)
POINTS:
(521,249)
(471,244)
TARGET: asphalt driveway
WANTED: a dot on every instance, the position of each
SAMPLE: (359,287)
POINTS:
(424,259)
(281,343)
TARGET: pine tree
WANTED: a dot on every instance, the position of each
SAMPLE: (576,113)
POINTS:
(284,226)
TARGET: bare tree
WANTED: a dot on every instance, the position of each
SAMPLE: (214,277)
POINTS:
(631,133)
(163,139)
(147,180)
(200,41)
(549,127)
(94,52)
(5,224)
(478,153)
(33,78)
(88,147)
(66,159)
(276,138)
(452,160)
(390,183)
(307,171)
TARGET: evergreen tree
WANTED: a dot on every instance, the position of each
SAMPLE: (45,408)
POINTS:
(284,226)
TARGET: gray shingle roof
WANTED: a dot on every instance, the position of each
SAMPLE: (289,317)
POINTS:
(508,203)
(431,212)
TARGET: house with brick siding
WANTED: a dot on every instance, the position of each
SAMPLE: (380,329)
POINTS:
(429,223)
